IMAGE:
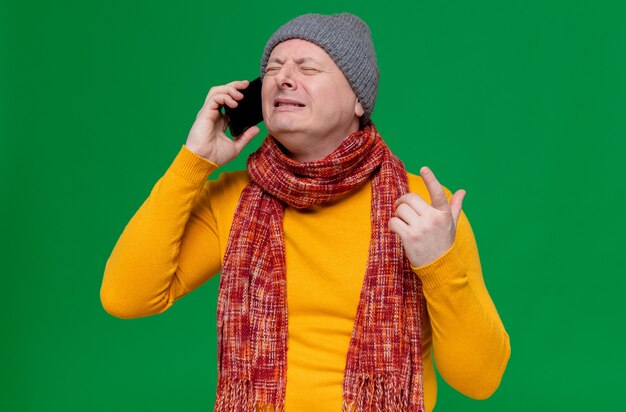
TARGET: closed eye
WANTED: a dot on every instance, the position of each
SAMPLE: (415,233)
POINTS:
(309,70)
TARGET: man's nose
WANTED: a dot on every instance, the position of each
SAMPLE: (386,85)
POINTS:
(285,78)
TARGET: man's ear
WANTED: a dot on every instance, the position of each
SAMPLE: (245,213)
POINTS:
(358,108)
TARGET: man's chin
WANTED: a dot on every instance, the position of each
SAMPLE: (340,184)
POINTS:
(284,129)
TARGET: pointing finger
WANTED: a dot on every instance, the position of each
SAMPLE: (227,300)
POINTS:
(437,195)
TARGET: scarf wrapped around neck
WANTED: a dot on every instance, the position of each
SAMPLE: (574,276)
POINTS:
(383,369)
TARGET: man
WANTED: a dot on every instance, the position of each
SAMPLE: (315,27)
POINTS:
(340,272)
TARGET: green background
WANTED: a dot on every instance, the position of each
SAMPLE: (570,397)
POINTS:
(521,103)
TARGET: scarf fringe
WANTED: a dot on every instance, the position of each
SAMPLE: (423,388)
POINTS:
(236,395)
(379,393)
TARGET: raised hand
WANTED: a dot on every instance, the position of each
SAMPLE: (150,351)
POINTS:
(427,231)
(206,137)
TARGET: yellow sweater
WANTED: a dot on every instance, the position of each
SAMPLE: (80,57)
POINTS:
(177,239)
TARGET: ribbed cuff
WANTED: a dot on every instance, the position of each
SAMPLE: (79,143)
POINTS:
(191,167)
(442,270)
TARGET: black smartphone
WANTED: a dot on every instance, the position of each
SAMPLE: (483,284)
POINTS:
(248,112)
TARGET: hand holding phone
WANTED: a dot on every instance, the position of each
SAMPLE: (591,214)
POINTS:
(207,137)
(248,112)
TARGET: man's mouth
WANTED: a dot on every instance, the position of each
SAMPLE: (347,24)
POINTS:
(287,103)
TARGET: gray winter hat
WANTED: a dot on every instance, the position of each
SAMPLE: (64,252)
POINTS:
(347,40)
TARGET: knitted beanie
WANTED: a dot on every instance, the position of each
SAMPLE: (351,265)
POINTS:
(347,40)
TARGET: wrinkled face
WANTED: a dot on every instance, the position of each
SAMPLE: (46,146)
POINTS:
(308,104)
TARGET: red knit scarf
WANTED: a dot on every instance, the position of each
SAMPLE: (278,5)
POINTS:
(383,367)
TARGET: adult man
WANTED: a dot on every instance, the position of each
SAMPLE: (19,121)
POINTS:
(327,247)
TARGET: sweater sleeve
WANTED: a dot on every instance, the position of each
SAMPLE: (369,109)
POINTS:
(471,346)
(169,247)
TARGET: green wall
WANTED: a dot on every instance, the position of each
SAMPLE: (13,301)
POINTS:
(521,103)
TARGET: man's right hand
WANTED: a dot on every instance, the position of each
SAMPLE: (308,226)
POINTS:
(206,137)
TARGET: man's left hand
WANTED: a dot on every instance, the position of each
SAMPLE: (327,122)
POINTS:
(427,231)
